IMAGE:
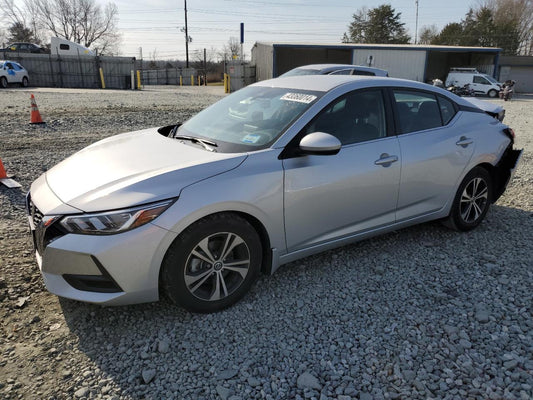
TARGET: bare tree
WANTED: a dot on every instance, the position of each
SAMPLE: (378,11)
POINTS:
(520,13)
(80,21)
(427,34)
(22,15)
(3,38)
(231,50)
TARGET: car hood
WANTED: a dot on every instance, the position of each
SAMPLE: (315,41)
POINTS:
(133,168)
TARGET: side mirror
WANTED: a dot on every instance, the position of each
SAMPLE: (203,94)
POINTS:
(320,144)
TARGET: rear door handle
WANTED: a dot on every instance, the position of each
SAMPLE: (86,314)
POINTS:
(385,160)
(464,141)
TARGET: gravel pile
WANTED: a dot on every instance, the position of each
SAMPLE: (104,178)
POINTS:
(421,313)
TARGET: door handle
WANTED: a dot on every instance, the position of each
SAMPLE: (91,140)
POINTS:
(464,141)
(385,160)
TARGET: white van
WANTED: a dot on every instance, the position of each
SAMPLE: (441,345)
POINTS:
(66,47)
(481,83)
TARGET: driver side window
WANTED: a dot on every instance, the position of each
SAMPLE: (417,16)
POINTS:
(353,118)
(481,80)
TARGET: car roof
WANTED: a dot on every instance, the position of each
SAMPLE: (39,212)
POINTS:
(336,67)
(9,61)
(326,83)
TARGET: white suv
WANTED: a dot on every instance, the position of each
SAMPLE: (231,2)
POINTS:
(12,72)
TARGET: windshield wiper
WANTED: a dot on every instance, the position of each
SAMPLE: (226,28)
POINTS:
(207,144)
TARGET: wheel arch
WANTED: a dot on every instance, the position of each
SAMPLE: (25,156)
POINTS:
(266,264)
(494,174)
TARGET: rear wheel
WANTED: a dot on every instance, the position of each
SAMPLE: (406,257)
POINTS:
(472,201)
(212,264)
(3,82)
(24,82)
(492,93)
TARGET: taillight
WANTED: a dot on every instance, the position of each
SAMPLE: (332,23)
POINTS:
(510,134)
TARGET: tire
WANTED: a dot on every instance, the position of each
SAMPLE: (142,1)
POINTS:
(24,82)
(3,82)
(472,201)
(196,271)
(492,93)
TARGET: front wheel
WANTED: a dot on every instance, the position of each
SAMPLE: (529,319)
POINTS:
(472,201)
(24,82)
(492,93)
(3,82)
(212,264)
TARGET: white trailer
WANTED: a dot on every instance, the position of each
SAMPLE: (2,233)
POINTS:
(62,47)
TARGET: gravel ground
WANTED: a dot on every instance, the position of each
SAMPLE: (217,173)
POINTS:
(421,313)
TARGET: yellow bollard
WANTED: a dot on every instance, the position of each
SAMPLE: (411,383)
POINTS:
(139,79)
(192,80)
(227,81)
(102,78)
(181,80)
(199,80)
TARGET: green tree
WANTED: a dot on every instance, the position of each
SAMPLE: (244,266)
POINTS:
(376,25)
(451,34)
(481,28)
(18,32)
(514,19)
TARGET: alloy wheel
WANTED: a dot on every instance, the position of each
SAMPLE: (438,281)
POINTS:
(474,200)
(217,266)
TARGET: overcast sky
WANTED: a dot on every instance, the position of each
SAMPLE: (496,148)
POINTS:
(156,25)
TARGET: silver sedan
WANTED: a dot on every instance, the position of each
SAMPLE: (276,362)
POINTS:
(277,171)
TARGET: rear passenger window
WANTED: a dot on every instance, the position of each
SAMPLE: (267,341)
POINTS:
(360,72)
(342,72)
(447,110)
(417,111)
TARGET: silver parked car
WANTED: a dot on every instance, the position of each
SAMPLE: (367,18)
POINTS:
(335,69)
(277,171)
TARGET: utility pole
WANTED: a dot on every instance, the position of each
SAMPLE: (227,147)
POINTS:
(416,23)
(186,37)
(205,68)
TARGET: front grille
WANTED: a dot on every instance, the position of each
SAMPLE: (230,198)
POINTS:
(36,214)
(42,235)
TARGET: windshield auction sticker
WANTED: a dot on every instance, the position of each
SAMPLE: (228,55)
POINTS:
(298,97)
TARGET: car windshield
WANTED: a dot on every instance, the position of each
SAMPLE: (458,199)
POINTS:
(301,71)
(249,119)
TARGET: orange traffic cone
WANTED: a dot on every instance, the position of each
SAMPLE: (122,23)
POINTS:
(4,179)
(35,115)
(2,170)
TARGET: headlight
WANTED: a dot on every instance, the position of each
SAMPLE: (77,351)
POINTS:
(111,222)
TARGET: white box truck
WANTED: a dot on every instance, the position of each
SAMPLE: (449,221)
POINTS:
(481,83)
(66,47)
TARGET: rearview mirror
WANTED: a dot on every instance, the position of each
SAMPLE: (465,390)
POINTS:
(320,144)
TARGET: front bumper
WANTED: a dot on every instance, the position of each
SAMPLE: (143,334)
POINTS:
(109,270)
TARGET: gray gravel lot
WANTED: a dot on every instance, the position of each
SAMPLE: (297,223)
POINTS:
(421,313)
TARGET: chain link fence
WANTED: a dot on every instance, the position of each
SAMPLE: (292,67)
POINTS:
(82,71)
(170,76)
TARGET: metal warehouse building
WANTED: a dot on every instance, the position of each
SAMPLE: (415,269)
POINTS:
(415,62)
(519,68)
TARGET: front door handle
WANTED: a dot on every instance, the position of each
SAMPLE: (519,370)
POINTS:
(385,160)
(464,141)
